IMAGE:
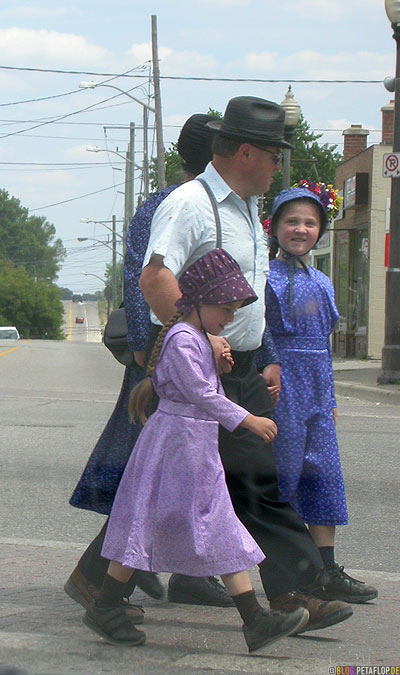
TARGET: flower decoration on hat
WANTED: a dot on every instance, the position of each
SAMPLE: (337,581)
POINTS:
(267,227)
(327,195)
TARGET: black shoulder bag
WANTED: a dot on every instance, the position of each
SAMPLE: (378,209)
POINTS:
(115,335)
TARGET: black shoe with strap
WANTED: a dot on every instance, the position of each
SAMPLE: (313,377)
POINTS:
(198,591)
(114,625)
(78,588)
(338,585)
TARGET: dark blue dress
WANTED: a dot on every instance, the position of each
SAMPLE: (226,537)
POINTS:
(100,479)
(306,449)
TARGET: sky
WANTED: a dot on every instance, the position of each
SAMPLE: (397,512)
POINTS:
(47,122)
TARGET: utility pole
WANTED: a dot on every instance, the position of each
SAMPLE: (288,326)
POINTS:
(157,106)
(129,185)
(145,155)
(114,262)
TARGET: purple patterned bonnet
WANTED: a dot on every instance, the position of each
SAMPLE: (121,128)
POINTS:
(214,279)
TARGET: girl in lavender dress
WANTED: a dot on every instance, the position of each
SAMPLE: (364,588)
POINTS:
(172,511)
(301,315)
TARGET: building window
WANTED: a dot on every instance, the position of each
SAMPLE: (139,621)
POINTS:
(342,277)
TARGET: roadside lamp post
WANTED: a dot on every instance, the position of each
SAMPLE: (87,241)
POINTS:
(160,145)
(391,350)
(114,258)
(129,186)
(292,116)
(91,274)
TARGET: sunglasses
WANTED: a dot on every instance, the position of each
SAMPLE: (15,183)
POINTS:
(277,156)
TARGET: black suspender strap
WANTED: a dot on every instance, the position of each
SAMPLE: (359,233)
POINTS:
(215,210)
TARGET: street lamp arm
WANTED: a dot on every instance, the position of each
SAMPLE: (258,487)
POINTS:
(102,222)
(80,239)
(93,85)
(95,148)
(90,274)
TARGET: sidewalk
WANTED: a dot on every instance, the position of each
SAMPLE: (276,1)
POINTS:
(358,379)
(41,630)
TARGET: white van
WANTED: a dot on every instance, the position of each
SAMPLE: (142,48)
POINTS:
(8,333)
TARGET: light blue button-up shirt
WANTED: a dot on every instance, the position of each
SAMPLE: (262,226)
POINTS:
(183,229)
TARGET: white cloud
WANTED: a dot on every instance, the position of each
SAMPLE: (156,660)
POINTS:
(336,10)
(142,52)
(171,61)
(31,12)
(43,46)
(81,153)
(262,60)
(310,64)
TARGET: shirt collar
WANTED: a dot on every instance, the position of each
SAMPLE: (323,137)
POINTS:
(219,187)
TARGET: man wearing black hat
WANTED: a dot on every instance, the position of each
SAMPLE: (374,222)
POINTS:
(246,153)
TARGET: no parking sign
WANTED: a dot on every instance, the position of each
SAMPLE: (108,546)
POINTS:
(391,165)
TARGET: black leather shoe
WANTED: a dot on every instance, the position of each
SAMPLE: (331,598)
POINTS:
(198,591)
(149,583)
(338,585)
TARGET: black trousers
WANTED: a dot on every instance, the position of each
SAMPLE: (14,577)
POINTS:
(292,559)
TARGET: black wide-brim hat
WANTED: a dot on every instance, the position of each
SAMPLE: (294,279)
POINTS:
(253,120)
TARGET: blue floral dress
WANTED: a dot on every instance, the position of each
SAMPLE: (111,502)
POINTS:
(306,448)
(99,482)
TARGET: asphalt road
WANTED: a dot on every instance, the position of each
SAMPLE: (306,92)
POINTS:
(55,398)
(89,330)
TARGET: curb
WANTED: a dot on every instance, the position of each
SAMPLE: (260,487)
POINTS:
(366,393)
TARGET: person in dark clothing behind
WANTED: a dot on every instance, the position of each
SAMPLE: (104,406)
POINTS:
(99,482)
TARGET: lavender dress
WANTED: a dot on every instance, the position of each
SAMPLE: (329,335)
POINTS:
(172,511)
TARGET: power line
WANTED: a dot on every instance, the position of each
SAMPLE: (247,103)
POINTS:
(61,163)
(192,78)
(43,98)
(73,199)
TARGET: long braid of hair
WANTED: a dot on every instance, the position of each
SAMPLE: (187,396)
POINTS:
(273,248)
(141,396)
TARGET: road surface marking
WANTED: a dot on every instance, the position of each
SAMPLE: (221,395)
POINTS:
(69,335)
(8,351)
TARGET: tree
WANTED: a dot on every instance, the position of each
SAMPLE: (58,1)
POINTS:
(29,241)
(310,160)
(109,281)
(65,293)
(33,307)
(174,174)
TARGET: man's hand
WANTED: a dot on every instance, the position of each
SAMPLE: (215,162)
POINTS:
(272,376)
(262,426)
(222,353)
(139,358)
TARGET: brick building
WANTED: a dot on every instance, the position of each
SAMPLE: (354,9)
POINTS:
(360,241)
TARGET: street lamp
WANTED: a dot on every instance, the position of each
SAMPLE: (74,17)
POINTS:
(129,182)
(159,134)
(95,148)
(102,222)
(113,248)
(91,274)
(104,243)
(391,350)
(292,116)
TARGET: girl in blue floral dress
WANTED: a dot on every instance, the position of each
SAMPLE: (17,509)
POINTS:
(301,315)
